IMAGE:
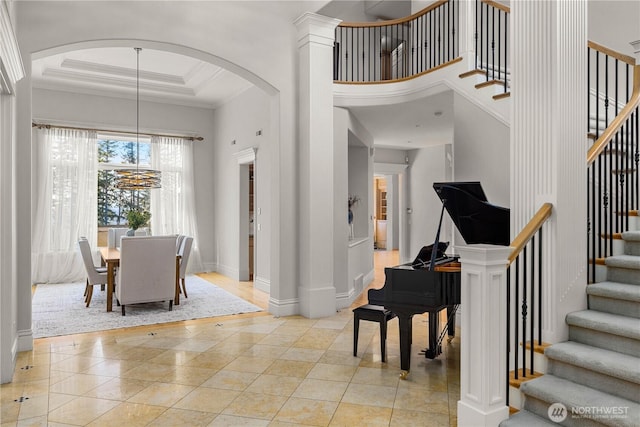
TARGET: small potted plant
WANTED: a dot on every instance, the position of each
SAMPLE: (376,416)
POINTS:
(137,218)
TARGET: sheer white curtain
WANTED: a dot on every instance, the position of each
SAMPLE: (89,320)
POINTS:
(66,180)
(173,205)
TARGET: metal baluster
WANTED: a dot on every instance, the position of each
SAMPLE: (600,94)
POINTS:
(475,34)
(506,51)
(533,301)
(540,287)
(493,43)
(588,89)
(499,45)
(524,311)
(515,315)
(508,343)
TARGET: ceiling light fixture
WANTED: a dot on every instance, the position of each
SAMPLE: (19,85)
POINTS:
(138,179)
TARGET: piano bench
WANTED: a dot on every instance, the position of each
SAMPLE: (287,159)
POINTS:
(374,313)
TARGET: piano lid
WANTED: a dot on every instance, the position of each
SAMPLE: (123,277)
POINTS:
(477,220)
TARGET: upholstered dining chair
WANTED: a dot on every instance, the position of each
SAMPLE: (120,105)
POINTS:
(147,270)
(179,239)
(114,235)
(184,252)
(95,275)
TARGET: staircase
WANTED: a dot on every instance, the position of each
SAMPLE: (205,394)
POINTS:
(596,374)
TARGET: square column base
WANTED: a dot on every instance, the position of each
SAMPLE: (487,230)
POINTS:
(475,417)
(317,302)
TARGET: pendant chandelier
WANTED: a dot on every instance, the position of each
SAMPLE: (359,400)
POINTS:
(137,179)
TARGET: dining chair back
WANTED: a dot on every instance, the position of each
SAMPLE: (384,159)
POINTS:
(147,271)
(95,275)
(185,252)
(179,239)
(114,235)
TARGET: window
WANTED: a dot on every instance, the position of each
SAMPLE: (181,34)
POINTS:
(115,153)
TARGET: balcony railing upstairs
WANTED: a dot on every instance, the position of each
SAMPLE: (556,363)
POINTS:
(374,52)
(524,298)
(613,159)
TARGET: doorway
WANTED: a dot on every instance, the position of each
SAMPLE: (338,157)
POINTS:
(380,209)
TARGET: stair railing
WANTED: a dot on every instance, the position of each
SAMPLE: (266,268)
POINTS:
(524,296)
(399,49)
(612,161)
(491,36)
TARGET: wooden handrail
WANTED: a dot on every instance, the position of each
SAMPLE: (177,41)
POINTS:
(620,56)
(529,230)
(603,140)
(497,5)
(395,21)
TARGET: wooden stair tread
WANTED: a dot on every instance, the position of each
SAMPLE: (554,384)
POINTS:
(489,83)
(502,95)
(513,410)
(538,348)
(618,171)
(599,261)
(631,212)
(614,236)
(516,382)
(471,73)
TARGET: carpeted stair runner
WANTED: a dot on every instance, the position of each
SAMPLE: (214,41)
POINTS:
(596,374)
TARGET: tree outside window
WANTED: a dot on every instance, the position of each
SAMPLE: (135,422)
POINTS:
(113,203)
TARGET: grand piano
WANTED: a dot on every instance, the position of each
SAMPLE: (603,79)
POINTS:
(431,282)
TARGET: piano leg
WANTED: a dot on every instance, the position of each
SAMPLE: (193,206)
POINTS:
(404,321)
(452,324)
(434,331)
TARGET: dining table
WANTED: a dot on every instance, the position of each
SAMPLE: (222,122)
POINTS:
(111,259)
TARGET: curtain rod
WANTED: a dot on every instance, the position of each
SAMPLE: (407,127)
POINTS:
(48,126)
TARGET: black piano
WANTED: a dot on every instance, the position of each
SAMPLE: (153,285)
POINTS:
(431,283)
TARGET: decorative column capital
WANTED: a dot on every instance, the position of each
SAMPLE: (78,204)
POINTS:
(316,28)
(9,52)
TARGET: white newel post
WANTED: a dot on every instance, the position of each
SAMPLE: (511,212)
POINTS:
(483,336)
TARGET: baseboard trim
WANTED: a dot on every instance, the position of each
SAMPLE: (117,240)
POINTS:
(262,284)
(231,272)
(209,267)
(289,307)
(25,340)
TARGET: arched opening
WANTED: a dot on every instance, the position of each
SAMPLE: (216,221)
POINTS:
(269,92)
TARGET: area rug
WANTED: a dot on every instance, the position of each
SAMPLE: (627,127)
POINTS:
(59,309)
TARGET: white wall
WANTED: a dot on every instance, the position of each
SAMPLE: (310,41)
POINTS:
(239,121)
(426,166)
(57,107)
(359,186)
(614,24)
(386,155)
(481,150)
(353,260)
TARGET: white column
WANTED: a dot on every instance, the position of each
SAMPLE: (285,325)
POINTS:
(483,334)
(317,293)
(11,72)
(549,143)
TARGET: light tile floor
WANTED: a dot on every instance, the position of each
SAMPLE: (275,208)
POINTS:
(246,370)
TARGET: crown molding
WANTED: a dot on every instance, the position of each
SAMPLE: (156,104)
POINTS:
(94,67)
(12,68)
(115,81)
